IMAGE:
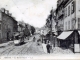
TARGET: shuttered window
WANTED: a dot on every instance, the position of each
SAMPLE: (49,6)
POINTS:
(72,7)
(68,10)
(68,24)
(0,26)
(0,35)
(79,23)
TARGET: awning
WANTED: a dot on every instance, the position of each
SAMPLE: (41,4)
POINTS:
(64,35)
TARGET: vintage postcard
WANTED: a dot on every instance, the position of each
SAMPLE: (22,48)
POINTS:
(39,29)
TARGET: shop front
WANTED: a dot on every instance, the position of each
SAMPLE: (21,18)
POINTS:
(66,40)
(70,40)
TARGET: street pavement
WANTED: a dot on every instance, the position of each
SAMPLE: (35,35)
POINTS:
(58,50)
(29,48)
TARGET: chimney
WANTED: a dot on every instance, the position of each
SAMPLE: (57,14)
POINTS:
(3,10)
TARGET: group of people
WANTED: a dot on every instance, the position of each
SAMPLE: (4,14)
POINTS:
(46,46)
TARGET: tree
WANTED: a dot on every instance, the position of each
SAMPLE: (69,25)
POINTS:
(32,30)
(26,31)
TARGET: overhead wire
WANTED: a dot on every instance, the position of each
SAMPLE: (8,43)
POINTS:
(19,10)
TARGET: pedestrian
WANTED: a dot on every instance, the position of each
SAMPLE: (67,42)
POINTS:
(44,47)
(34,39)
(38,41)
(48,47)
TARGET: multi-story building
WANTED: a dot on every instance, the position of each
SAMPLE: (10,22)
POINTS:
(59,16)
(21,26)
(8,25)
(70,22)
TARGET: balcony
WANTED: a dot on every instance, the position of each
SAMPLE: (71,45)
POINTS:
(65,1)
(59,2)
(61,13)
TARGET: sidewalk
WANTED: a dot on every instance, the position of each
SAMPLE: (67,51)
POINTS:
(58,50)
(6,44)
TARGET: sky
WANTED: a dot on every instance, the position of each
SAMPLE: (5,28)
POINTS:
(33,12)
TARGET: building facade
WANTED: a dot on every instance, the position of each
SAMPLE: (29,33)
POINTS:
(21,26)
(70,21)
(8,25)
(59,16)
(69,15)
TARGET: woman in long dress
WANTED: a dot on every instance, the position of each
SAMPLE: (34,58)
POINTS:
(48,47)
(44,47)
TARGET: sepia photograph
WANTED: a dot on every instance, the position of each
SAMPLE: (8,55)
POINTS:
(39,29)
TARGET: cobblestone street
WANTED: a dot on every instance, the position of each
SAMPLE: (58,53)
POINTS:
(29,48)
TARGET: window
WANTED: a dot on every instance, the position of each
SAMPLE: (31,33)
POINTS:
(68,24)
(73,24)
(0,15)
(79,23)
(64,13)
(68,10)
(0,35)
(0,26)
(72,7)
